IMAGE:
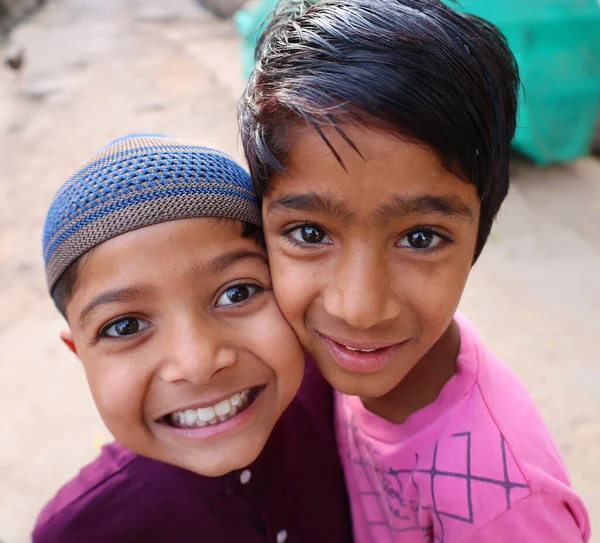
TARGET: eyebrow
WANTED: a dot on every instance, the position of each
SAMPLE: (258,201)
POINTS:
(224,261)
(121,295)
(220,263)
(397,207)
(400,206)
(311,202)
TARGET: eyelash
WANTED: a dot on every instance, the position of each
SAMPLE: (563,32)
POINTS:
(306,246)
(259,290)
(102,333)
(446,240)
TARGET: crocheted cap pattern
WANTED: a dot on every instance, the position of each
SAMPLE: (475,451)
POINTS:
(138,181)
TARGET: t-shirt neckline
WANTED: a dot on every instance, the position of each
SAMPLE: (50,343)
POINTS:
(457,387)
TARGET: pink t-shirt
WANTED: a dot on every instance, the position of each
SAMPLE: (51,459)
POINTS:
(476,465)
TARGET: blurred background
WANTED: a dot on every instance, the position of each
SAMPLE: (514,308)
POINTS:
(78,73)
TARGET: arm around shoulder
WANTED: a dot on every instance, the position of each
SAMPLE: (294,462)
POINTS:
(537,518)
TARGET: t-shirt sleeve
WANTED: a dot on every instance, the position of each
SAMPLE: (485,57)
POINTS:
(539,517)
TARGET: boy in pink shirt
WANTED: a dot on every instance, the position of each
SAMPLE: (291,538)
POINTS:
(378,136)
(477,464)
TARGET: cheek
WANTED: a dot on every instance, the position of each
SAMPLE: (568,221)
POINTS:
(296,284)
(435,291)
(118,390)
(271,339)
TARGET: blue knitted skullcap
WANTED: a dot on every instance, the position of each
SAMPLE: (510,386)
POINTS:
(137,181)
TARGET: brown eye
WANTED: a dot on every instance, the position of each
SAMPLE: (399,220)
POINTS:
(309,234)
(126,326)
(237,294)
(422,239)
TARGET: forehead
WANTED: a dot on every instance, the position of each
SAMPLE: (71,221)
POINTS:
(164,256)
(361,168)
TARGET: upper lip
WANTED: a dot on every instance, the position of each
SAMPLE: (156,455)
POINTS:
(208,403)
(363,346)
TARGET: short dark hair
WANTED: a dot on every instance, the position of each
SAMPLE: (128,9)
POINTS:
(67,282)
(429,74)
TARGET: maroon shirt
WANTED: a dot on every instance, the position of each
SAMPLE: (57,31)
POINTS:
(294,492)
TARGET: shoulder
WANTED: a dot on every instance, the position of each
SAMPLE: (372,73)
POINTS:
(314,387)
(506,404)
(307,426)
(88,486)
(313,403)
(115,497)
(507,430)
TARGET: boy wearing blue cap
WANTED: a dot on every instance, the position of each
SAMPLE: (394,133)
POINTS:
(154,255)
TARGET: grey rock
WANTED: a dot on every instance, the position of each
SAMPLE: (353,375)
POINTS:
(13,11)
(222,8)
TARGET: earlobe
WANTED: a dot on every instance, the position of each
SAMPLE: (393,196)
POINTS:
(67,338)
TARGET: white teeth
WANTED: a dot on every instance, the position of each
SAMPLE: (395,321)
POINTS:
(190,416)
(206,413)
(222,408)
(361,350)
(203,416)
(179,418)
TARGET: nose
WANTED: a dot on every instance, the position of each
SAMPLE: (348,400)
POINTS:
(195,352)
(361,291)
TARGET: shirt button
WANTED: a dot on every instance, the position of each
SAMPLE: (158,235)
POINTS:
(282,536)
(245,477)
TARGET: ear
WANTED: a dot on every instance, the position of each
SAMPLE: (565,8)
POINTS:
(67,338)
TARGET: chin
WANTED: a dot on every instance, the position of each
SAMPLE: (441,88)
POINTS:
(213,470)
(350,384)
(363,389)
(226,462)
(365,385)
(210,468)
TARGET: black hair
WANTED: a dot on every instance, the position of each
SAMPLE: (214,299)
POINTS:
(424,71)
(67,283)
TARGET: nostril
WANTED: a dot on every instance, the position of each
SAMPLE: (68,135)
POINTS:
(361,310)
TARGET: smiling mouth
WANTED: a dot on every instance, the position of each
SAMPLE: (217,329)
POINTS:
(360,350)
(366,348)
(214,414)
(360,357)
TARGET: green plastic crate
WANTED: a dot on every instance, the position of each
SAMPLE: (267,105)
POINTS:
(557,46)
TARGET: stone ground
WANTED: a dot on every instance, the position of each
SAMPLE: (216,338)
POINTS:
(98,69)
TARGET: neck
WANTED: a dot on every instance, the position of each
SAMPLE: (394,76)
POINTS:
(423,384)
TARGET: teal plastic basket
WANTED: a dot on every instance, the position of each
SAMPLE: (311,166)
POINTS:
(557,46)
(250,22)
